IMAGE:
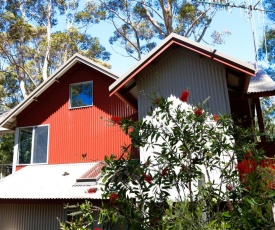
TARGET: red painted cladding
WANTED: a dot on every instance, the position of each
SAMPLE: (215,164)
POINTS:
(76,132)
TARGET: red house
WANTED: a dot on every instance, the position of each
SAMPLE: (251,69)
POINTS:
(62,133)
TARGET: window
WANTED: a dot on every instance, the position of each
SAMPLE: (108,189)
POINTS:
(33,145)
(81,94)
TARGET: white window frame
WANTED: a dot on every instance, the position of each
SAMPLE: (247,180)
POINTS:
(16,146)
(78,83)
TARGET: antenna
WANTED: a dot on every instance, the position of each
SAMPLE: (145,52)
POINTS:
(248,8)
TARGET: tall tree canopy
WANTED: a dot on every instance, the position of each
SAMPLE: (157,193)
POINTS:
(267,47)
(36,37)
(139,23)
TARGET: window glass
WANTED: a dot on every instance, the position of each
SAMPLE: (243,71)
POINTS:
(81,94)
(25,145)
(33,145)
(40,144)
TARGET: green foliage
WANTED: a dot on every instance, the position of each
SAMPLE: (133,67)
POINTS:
(81,218)
(266,50)
(252,207)
(268,110)
(188,175)
(6,148)
(138,24)
(30,46)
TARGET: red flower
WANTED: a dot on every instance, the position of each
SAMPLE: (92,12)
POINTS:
(92,190)
(164,171)
(229,187)
(97,229)
(198,112)
(116,120)
(216,117)
(272,186)
(157,101)
(184,95)
(113,198)
(248,155)
(147,178)
(130,130)
(184,168)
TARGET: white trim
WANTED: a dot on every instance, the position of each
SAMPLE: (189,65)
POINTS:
(16,154)
(15,150)
(32,148)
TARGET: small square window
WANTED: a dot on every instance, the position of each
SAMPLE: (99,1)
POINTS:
(81,94)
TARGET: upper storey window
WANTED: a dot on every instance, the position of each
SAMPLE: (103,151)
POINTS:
(81,94)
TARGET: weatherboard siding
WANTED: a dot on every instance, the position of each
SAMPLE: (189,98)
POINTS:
(83,134)
(185,70)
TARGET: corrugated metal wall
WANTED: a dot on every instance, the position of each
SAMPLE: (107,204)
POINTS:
(185,70)
(30,216)
(74,132)
(38,214)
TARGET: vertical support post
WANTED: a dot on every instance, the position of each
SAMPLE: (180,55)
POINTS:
(260,118)
(15,150)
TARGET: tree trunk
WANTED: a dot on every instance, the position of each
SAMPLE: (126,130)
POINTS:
(48,49)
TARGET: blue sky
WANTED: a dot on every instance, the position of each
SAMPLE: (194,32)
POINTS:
(238,45)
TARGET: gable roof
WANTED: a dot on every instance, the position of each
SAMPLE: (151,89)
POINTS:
(261,85)
(52,182)
(7,122)
(177,40)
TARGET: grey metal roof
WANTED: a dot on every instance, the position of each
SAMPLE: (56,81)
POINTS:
(261,83)
(211,52)
(3,114)
(50,182)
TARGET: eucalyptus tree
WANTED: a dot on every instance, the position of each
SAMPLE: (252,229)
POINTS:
(267,46)
(139,23)
(36,37)
(15,37)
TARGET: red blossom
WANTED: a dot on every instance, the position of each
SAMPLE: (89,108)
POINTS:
(229,187)
(157,101)
(216,117)
(147,163)
(248,155)
(113,198)
(92,190)
(116,120)
(164,171)
(184,95)
(184,168)
(130,130)
(272,186)
(97,229)
(198,112)
(148,178)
